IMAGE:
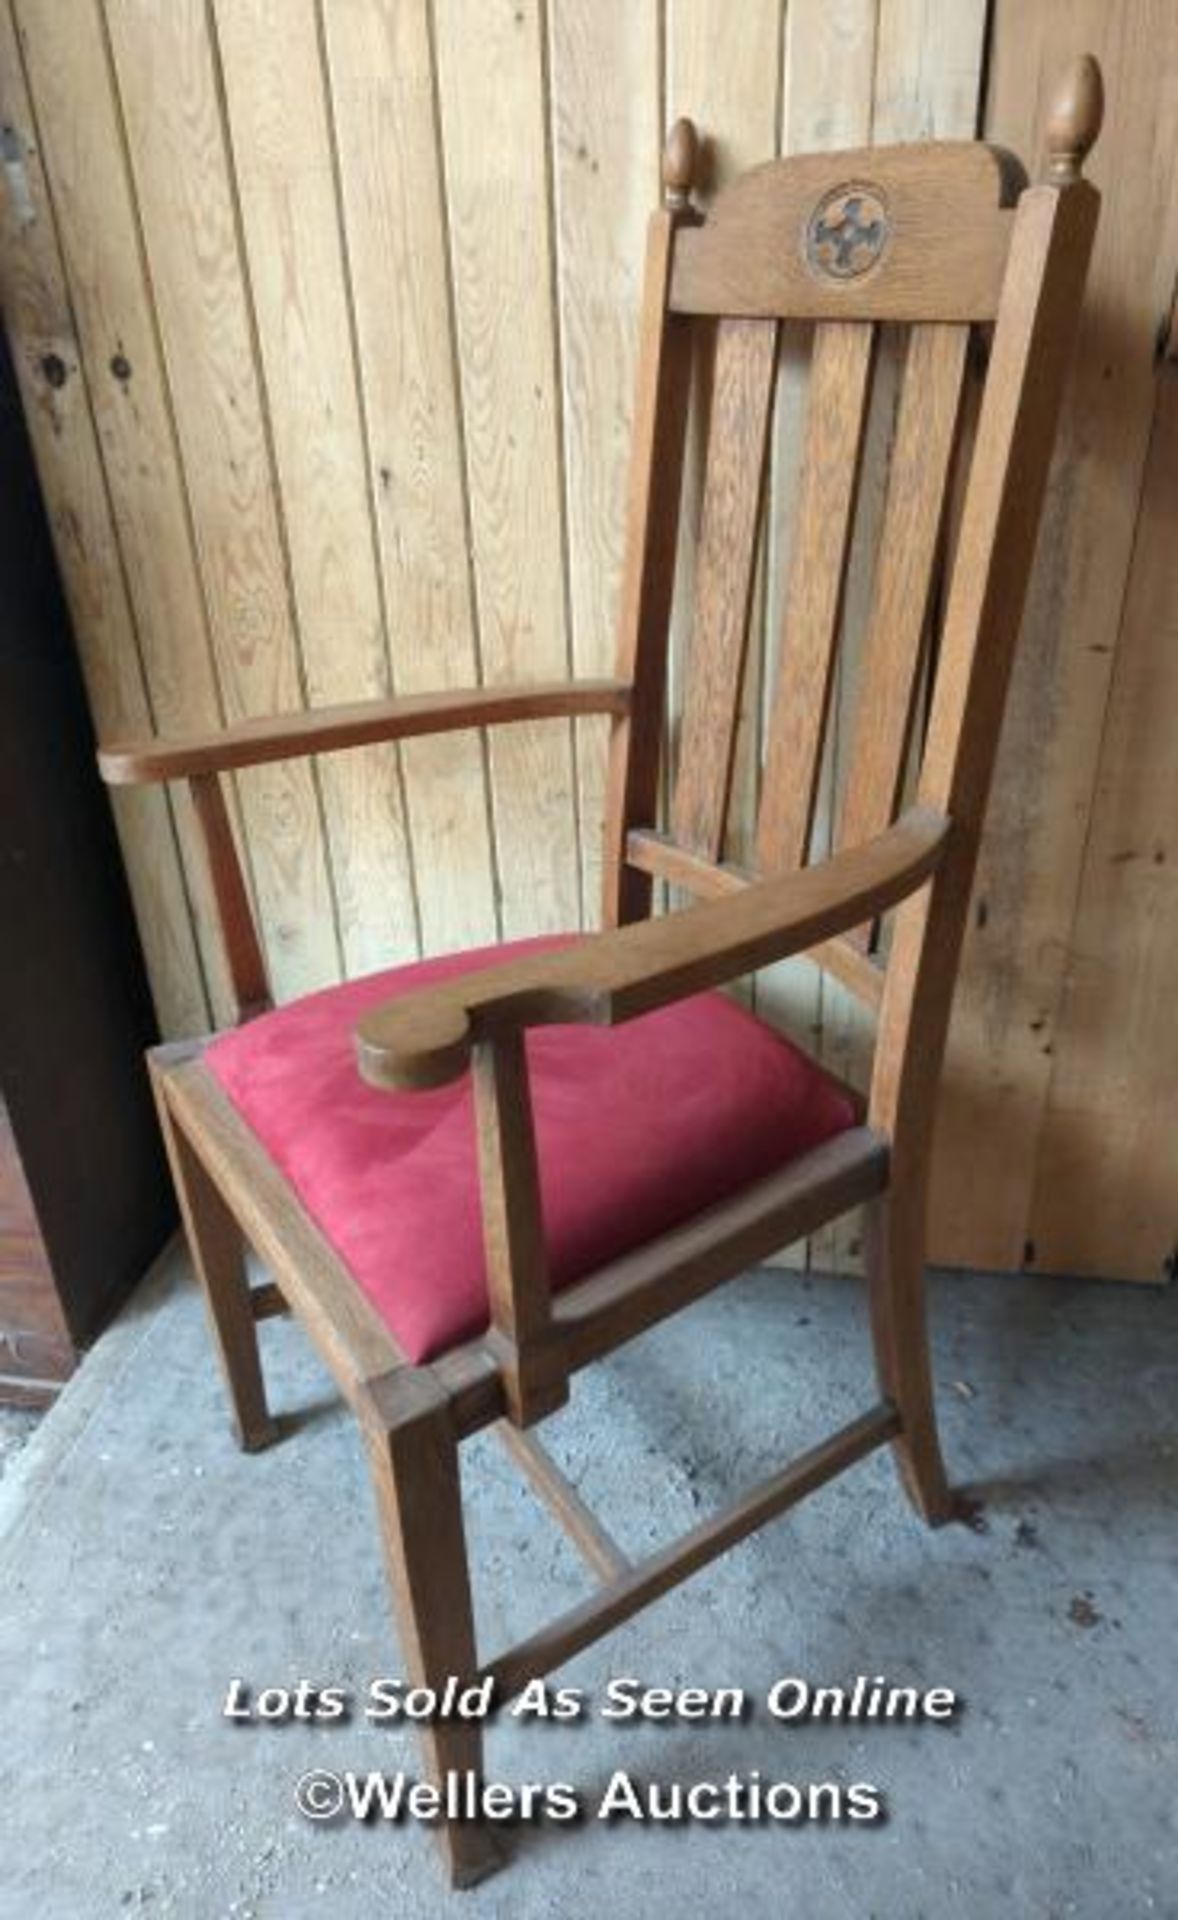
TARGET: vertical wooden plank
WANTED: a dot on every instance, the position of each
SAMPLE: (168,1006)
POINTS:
(928,70)
(828,60)
(1108,1131)
(606,108)
(284,163)
(1004,1040)
(728,83)
(47,357)
(164,70)
(927,77)
(746,353)
(491,85)
(382,84)
(81,132)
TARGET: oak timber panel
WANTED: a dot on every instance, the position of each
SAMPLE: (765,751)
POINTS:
(387,132)
(47,356)
(827,82)
(79,128)
(727,82)
(607,126)
(1104,1198)
(493,107)
(167,84)
(935,97)
(285,161)
(1004,1043)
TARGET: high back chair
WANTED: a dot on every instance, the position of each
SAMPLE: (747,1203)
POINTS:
(463,1221)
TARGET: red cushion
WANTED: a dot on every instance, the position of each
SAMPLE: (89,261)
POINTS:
(638,1127)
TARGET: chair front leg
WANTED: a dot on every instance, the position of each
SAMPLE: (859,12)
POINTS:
(414,1458)
(218,1254)
(895,1248)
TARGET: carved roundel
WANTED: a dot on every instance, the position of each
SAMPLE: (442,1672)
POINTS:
(847,232)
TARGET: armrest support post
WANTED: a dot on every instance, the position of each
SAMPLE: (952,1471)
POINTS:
(521,1336)
(243,950)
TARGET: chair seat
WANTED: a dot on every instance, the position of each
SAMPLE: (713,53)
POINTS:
(638,1127)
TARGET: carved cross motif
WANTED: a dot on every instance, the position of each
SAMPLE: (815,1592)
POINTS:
(847,232)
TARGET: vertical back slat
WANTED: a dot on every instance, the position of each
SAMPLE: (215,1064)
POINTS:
(836,412)
(746,352)
(918,480)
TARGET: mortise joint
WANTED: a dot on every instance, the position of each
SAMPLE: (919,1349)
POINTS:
(400,1398)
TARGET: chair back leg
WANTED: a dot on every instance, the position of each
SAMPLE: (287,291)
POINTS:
(895,1250)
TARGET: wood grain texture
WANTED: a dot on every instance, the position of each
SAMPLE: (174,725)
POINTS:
(1016,430)
(606,134)
(729,83)
(929,60)
(928,70)
(168,88)
(654,522)
(254,743)
(381,74)
(734,479)
(811,610)
(243,953)
(916,490)
(218,1255)
(933,264)
(1104,1179)
(1004,1042)
(534,1375)
(491,86)
(284,163)
(663,858)
(80,131)
(47,357)
(827,80)
(423,1039)
(414,1458)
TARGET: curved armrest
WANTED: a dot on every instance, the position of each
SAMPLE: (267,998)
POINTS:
(424,1039)
(330,729)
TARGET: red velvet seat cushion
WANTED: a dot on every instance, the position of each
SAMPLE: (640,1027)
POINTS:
(638,1127)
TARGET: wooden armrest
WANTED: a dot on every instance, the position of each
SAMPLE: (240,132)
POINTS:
(424,1039)
(330,729)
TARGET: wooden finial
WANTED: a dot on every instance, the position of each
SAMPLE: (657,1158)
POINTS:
(679,157)
(1074,121)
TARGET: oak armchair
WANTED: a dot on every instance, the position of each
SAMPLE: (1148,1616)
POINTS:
(457,1270)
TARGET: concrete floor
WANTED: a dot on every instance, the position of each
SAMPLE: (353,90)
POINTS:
(17,1427)
(144,1564)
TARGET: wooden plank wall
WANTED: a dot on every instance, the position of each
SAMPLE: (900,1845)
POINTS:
(1055,1146)
(324,313)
